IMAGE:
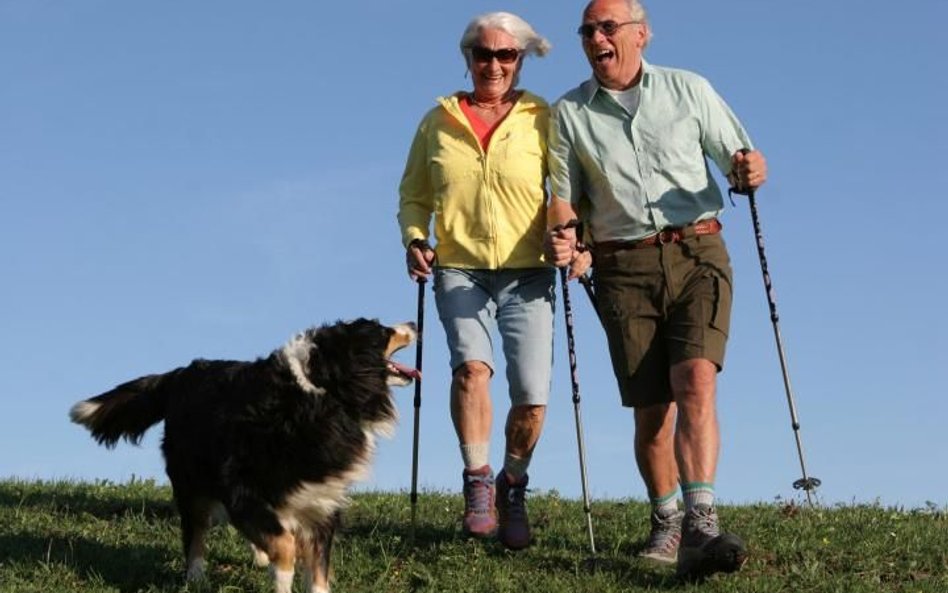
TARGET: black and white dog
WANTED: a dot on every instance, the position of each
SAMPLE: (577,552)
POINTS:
(276,442)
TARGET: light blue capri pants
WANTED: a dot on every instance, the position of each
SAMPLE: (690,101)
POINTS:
(516,303)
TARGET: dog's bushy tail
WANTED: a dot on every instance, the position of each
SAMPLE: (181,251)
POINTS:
(127,411)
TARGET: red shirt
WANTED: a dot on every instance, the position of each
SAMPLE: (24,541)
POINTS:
(481,129)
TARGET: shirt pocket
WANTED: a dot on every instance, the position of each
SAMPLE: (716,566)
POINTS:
(519,155)
(457,179)
(676,147)
(453,160)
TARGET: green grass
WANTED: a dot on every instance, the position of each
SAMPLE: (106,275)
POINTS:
(105,537)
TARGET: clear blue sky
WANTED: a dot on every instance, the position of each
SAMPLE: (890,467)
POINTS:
(203,179)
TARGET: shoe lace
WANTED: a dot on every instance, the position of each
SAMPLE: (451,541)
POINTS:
(666,531)
(477,493)
(516,503)
(704,519)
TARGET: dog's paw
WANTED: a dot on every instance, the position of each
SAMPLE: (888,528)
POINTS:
(260,557)
(196,570)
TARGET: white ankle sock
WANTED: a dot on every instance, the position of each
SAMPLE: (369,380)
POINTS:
(475,455)
(516,467)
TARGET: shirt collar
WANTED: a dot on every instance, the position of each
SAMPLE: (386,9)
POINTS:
(592,86)
(527,101)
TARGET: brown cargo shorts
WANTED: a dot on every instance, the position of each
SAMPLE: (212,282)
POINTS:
(660,305)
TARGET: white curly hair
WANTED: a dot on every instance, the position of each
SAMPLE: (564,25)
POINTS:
(529,41)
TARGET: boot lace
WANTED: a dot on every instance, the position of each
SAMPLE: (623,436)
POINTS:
(477,493)
(703,519)
(666,532)
(516,507)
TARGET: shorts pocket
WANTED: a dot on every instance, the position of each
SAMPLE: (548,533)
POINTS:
(720,318)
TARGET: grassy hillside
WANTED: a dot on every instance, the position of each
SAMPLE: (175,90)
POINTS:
(105,537)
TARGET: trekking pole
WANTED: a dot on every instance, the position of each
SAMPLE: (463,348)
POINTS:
(417,403)
(574,380)
(807,483)
(587,283)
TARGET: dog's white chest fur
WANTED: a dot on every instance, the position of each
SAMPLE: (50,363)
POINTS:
(312,502)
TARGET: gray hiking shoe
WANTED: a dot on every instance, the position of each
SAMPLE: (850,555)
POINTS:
(704,550)
(662,544)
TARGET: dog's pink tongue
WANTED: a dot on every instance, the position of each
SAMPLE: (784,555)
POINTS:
(406,370)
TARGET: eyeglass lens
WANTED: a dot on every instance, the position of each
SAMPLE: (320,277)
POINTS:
(608,28)
(504,55)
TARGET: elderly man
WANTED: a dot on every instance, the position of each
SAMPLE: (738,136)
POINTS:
(627,154)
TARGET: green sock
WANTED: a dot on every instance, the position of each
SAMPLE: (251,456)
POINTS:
(696,493)
(665,505)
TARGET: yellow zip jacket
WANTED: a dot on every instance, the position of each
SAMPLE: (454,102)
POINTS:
(489,207)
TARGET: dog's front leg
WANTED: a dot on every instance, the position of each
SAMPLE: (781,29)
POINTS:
(282,552)
(317,558)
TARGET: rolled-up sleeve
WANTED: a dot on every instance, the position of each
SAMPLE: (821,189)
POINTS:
(721,132)
(565,172)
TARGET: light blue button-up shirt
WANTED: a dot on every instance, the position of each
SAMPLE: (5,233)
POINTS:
(633,175)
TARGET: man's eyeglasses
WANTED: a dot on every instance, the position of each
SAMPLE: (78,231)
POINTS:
(506,55)
(608,28)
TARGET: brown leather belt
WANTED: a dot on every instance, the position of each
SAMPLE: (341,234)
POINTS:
(669,235)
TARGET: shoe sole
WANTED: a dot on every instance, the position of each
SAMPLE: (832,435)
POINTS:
(479,534)
(725,553)
(512,545)
(658,557)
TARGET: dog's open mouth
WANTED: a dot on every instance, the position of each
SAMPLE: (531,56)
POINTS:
(398,373)
(402,374)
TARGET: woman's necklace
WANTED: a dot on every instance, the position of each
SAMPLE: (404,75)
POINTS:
(502,103)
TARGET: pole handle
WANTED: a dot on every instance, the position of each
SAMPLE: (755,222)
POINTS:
(736,187)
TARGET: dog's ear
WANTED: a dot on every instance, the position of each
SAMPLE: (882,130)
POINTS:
(316,365)
(368,333)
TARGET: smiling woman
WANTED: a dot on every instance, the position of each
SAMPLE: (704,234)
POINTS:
(494,66)
(477,167)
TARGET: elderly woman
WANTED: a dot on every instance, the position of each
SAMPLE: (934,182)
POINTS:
(477,165)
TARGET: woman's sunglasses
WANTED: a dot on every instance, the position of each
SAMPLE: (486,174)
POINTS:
(507,55)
